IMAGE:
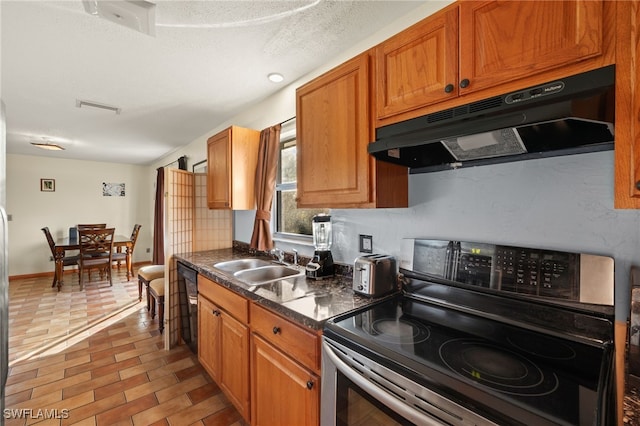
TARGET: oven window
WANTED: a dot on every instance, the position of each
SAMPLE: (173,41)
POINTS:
(356,407)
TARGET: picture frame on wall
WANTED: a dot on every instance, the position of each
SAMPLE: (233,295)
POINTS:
(47,185)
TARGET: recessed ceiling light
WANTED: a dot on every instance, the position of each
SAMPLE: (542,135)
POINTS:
(275,77)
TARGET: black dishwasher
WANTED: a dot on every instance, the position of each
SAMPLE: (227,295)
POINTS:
(188,290)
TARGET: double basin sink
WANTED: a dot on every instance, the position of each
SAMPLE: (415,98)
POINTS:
(260,274)
(256,272)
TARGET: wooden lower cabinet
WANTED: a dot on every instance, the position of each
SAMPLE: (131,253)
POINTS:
(223,350)
(283,392)
(267,365)
(209,342)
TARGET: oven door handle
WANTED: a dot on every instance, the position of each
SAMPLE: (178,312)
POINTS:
(399,407)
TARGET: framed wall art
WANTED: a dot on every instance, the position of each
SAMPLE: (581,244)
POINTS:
(47,185)
(112,189)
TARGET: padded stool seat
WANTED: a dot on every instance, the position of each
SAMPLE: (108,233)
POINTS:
(146,274)
(156,291)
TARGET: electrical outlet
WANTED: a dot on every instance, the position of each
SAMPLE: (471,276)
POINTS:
(148,250)
(366,243)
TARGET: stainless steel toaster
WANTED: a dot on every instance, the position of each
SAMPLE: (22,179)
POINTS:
(374,275)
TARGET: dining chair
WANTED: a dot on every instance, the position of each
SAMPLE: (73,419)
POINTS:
(119,256)
(96,247)
(66,260)
(91,225)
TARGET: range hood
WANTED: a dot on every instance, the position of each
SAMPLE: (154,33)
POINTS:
(567,116)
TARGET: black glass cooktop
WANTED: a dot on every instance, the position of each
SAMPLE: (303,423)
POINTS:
(506,372)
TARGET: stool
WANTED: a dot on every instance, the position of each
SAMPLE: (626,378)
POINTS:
(156,290)
(146,274)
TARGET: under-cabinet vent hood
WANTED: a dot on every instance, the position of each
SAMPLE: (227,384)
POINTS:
(567,116)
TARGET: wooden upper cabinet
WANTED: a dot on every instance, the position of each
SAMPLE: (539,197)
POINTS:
(232,156)
(627,125)
(453,56)
(506,40)
(334,128)
(418,66)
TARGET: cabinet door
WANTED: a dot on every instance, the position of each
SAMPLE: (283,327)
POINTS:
(219,171)
(209,340)
(505,40)
(235,362)
(283,392)
(418,66)
(333,131)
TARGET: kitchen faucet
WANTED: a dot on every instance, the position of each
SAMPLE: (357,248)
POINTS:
(279,254)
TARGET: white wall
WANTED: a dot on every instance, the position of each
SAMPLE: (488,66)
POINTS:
(77,199)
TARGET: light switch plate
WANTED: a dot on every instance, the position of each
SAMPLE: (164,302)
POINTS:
(366,243)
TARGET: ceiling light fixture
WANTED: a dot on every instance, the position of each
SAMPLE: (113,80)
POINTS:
(135,14)
(92,104)
(48,146)
(275,77)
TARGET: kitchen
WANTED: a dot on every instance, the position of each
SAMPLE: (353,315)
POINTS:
(563,203)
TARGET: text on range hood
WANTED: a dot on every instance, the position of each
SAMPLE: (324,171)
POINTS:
(566,116)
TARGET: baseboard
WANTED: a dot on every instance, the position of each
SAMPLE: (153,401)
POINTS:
(67,270)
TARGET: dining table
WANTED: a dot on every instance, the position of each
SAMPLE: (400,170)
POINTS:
(64,244)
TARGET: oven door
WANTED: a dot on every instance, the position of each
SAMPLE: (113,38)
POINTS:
(357,390)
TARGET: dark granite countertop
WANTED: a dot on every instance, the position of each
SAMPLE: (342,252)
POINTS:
(305,301)
(632,401)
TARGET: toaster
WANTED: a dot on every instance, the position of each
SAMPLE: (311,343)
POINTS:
(374,275)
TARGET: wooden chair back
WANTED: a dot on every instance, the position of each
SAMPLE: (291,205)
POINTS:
(134,235)
(50,240)
(96,242)
(96,246)
(91,225)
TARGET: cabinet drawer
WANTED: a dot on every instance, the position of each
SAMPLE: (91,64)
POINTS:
(231,302)
(292,339)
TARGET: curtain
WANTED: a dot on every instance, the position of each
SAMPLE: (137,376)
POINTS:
(158,220)
(265,185)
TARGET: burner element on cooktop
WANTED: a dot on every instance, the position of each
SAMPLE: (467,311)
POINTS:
(496,368)
(393,330)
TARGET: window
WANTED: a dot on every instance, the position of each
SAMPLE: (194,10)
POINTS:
(290,220)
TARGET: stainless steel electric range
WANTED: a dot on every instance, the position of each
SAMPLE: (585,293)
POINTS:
(480,334)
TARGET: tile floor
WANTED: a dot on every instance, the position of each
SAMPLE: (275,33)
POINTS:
(96,358)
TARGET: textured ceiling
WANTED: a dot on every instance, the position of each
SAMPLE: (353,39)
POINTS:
(207,61)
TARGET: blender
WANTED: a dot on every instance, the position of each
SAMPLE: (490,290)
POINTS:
(321,265)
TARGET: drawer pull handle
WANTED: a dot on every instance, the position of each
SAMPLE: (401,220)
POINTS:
(309,385)
(464,83)
(448,88)
(216,312)
(638,184)
(276,330)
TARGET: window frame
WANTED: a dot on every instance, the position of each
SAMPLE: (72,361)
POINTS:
(287,135)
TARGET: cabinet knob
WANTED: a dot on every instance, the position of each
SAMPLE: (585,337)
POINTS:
(276,330)
(464,83)
(638,185)
(448,88)
(216,312)
(309,385)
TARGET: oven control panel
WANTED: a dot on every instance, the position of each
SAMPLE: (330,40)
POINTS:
(529,271)
(552,274)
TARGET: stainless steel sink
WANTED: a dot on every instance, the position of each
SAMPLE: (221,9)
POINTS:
(233,266)
(266,274)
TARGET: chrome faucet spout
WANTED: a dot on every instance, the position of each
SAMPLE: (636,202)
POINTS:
(279,254)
